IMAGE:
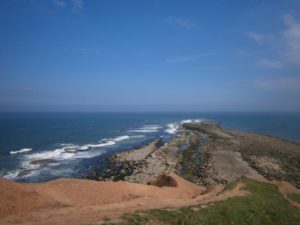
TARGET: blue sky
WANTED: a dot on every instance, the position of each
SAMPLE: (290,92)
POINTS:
(149,55)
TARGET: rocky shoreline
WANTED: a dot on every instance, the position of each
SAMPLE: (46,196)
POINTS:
(139,165)
(207,154)
(203,153)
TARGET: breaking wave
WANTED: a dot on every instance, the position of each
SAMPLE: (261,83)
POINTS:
(172,128)
(192,121)
(37,162)
(146,129)
(23,150)
(67,151)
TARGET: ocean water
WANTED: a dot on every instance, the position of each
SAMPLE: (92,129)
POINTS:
(44,146)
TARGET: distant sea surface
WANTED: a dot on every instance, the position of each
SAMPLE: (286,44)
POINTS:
(38,147)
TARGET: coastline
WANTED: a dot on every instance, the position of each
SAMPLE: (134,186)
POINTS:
(202,165)
(63,154)
(206,154)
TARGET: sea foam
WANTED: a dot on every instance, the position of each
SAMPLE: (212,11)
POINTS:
(146,129)
(12,174)
(23,150)
(191,121)
(67,151)
(121,138)
(42,160)
(172,128)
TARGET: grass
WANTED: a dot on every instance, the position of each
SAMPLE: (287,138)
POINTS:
(294,197)
(265,206)
(230,186)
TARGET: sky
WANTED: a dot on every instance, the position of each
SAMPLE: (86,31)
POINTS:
(149,55)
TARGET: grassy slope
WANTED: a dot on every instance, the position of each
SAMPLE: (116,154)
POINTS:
(265,206)
(294,197)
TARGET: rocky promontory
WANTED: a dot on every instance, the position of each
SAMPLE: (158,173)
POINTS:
(205,153)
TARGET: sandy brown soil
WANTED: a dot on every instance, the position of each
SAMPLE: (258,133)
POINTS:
(75,201)
(72,201)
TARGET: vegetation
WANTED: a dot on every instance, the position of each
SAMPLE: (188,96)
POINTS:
(188,164)
(294,197)
(265,205)
(230,186)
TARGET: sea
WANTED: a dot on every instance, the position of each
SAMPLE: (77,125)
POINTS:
(36,147)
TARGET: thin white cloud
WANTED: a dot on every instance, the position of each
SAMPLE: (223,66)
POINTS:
(181,22)
(292,37)
(77,5)
(242,52)
(280,84)
(286,43)
(271,63)
(60,3)
(259,38)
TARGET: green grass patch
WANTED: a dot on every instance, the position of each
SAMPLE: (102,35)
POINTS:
(230,186)
(294,197)
(265,206)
